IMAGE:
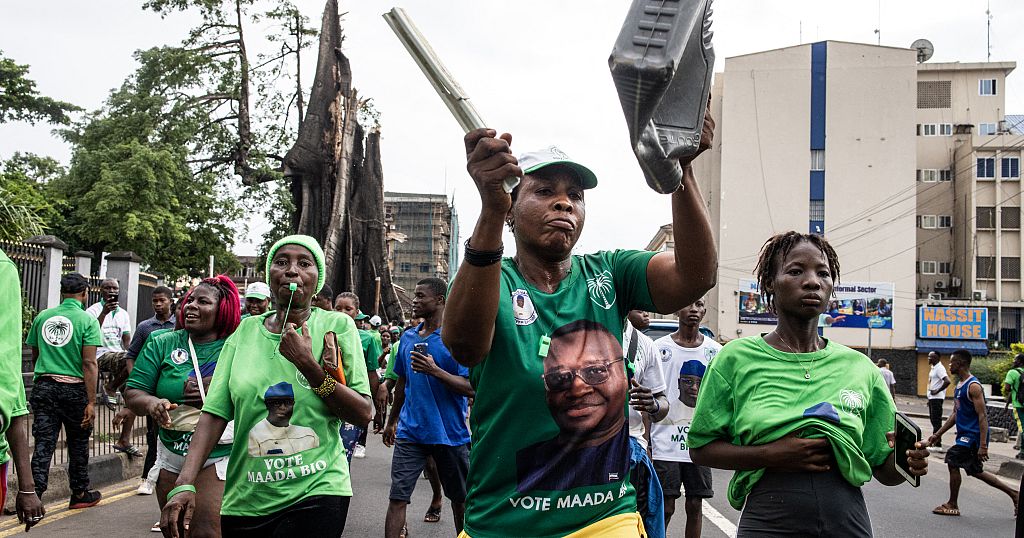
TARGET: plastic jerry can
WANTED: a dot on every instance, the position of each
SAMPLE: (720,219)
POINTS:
(662,65)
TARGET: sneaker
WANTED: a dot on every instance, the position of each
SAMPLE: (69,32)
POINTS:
(145,488)
(359,452)
(85,500)
(155,527)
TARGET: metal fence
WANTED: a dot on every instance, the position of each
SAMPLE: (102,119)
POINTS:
(31,262)
(104,434)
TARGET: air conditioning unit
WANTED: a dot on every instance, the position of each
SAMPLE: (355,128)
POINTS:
(940,285)
(979,295)
(936,296)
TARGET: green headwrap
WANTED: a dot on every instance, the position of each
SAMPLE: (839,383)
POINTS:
(309,244)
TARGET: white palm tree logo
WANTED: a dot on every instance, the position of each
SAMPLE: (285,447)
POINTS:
(57,331)
(852,401)
(600,288)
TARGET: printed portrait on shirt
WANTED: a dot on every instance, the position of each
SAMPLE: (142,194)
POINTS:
(585,390)
(276,435)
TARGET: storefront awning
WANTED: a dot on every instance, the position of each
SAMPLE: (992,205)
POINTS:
(944,346)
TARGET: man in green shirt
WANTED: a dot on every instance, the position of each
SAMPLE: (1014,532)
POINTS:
(64,341)
(1011,391)
(13,408)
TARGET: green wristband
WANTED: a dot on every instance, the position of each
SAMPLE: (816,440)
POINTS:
(179,489)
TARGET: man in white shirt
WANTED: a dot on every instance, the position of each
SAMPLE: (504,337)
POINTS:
(890,379)
(116,328)
(938,380)
(685,355)
(647,395)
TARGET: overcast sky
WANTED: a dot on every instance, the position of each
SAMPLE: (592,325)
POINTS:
(535,68)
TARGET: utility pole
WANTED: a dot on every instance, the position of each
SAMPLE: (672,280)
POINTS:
(988,31)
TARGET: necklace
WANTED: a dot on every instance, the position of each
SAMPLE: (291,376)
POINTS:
(807,369)
(544,342)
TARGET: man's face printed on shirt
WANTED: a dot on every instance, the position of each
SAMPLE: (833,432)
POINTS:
(688,387)
(583,410)
(279,411)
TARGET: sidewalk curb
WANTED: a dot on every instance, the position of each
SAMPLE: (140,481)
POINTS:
(1011,469)
(103,471)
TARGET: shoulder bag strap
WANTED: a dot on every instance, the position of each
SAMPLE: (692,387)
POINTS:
(195,366)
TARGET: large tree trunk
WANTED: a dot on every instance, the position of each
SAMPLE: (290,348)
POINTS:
(339,193)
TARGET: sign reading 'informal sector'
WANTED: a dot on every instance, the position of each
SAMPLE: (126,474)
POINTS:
(957,322)
(852,305)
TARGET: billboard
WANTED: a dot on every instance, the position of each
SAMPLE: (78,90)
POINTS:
(953,322)
(852,305)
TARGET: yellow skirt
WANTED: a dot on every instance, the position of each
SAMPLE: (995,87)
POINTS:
(620,526)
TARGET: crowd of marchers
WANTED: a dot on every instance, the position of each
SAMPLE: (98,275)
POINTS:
(525,389)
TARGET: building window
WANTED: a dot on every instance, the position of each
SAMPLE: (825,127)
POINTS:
(817,159)
(945,175)
(934,94)
(986,167)
(424,267)
(986,217)
(927,129)
(945,221)
(406,267)
(1010,217)
(986,129)
(945,129)
(987,86)
(926,221)
(945,268)
(927,175)
(818,210)
(986,266)
(927,267)
(1010,167)
(1010,267)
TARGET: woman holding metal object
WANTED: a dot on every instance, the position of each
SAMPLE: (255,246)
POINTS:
(287,378)
(169,384)
(542,332)
(803,420)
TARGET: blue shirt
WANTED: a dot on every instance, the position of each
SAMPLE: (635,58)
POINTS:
(968,427)
(142,333)
(432,414)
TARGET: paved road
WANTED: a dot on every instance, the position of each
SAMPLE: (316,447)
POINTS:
(902,511)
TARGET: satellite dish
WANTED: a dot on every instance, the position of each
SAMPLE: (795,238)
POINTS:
(924,49)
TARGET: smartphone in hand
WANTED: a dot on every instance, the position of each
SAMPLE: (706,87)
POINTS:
(907,433)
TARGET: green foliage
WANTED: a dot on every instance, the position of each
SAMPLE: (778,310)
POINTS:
(991,370)
(20,101)
(134,183)
(17,221)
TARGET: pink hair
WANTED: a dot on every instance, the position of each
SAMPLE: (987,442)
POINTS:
(229,310)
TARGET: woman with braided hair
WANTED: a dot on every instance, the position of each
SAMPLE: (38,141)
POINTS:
(804,421)
(169,382)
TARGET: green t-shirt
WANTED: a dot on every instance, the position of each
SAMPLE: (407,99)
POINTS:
(753,394)
(273,467)
(161,369)
(12,393)
(59,333)
(522,479)
(1013,380)
(372,348)
(389,372)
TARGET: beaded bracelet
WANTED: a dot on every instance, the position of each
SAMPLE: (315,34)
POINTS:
(327,387)
(179,489)
(482,258)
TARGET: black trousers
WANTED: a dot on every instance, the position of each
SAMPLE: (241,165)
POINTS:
(151,441)
(804,504)
(935,414)
(322,516)
(57,405)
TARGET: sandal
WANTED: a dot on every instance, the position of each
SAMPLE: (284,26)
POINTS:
(944,510)
(132,450)
(405,532)
(433,515)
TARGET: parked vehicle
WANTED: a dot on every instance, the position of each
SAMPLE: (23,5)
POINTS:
(661,327)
